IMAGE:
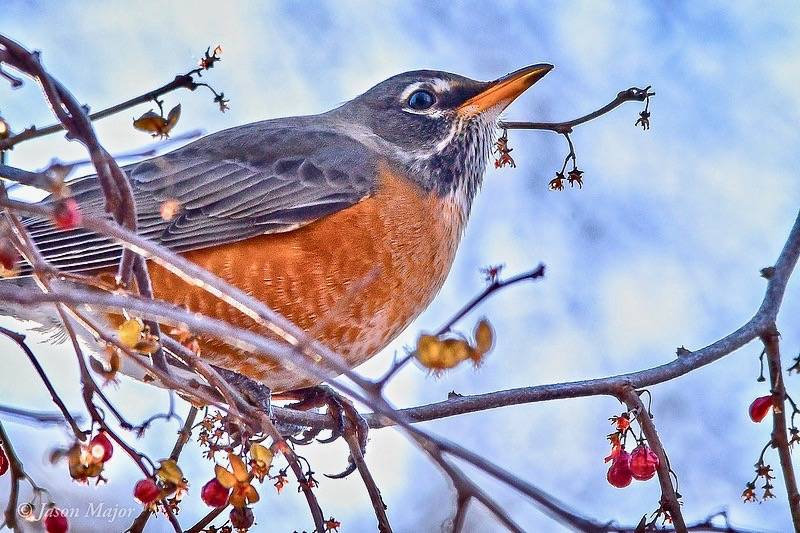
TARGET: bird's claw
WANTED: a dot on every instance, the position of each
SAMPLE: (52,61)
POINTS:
(347,420)
(351,467)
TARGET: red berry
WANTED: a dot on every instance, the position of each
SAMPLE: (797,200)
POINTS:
(619,475)
(55,521)
(8,256)
(67,214)
(3,462)
(760,408)
(101,448)
(242,517)
(643,463)
(146,491)
(214,494)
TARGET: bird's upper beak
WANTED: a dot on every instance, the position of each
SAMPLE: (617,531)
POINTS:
(503,91)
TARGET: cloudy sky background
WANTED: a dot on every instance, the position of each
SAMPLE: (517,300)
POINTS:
(661,248)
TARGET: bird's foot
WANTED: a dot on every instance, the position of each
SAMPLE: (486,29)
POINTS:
(347,419)
(257,394)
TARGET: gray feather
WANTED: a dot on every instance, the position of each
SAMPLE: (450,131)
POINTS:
(266,177)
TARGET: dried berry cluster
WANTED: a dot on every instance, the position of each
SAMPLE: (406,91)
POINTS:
(574,176)
(503,152)
(234,485)
(442,352)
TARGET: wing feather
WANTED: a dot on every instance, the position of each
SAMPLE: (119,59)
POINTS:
(266,177)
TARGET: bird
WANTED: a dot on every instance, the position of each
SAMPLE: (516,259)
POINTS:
(346,222)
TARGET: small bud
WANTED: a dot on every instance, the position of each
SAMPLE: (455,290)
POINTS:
(557,183)
(574,177)
(682,351)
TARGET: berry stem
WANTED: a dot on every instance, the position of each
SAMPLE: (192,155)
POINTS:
(669,497)
(770,337)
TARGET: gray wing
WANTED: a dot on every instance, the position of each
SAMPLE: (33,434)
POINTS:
(266,177)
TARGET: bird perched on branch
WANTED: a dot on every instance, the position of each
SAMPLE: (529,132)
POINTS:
(346,222)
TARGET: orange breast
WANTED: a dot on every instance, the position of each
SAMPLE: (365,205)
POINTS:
(354,279)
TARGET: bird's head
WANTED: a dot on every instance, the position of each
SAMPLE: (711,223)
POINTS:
(441,125)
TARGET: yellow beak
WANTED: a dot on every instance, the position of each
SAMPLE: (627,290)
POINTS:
(505,90)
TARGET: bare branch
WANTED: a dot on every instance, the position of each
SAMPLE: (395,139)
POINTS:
(780,440)
(369,482)
(634,94)
(35,417)
(181,81)
(669,498)
(67,416)
(495,284)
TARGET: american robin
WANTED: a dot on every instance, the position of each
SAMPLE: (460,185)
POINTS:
(345,222)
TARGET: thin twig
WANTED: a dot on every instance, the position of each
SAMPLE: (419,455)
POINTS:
(181,81)
(495,285)
(780,440)
(183,437)
(369,482)
(669,498)
(17,474)
(67,416)
(634,94)
(311,498)
(35,417)
(204,522)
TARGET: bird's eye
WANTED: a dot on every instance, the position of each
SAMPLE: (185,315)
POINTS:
(421,100)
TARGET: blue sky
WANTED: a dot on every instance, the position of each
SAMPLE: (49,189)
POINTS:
(661,247)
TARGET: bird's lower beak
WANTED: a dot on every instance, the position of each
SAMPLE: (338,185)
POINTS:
(505,90)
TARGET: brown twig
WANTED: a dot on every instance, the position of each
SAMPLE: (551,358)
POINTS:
(19,339)
(204,522)
(35,417)
(634,94)
(183,437)
(495,284)
(771,339)
(304,483)
(369,482)
(669,498)
(181,81)
(31,253)
(116,188)
(18,474)
(465,489)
